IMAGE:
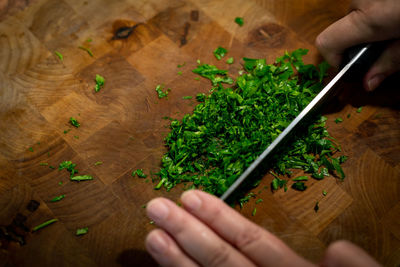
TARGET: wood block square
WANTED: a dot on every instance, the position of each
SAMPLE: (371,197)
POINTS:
(90,115)
(300,205)
(368,176)
(158,60)
(20,49)
(85,203)
(47,20)
(111,235)
(113,146)
(180,23)
(59,242)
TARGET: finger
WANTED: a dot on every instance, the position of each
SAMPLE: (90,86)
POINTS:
(262,247)
(165,251)
(345,254)
(195,238)
(356,28)
(387,64)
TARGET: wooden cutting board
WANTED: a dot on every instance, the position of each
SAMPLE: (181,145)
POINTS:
(136,45)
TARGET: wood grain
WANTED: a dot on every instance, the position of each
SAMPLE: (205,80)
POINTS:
(136,45)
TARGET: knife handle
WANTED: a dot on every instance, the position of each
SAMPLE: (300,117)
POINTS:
(364,63)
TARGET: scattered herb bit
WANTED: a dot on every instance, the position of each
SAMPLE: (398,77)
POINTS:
(239,21)
(67,131)
(81,178)
(87,50)
(48,154)
(40,226)
(59,55)
(201,97)
(60,183)
(246,199)
(197,78)
(89,40)
(74,122)
(301,178)
(69,166)
(99,82)
(338,120)
(58,198)
(82,231)
(316,207)
(143,206)
(139,173)
(259,201)
(359,109)
(324,192)
(179,72)
(151,222)
(187,97)
(254,212)
(229,60)
(181,65)
(348,115)
(76,137)
(52,167)
(43,164)
(300,186)
(215,75)
(30,149)
(160,92)
(277,182)
(220,52)
(98,163)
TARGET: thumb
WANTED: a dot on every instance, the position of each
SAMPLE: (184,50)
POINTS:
(387,64)
(345,254)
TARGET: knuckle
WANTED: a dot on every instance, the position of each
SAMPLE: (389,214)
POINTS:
(248,238)
(219,256)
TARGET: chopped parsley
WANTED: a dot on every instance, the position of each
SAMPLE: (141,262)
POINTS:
(81,178)
(220,52)
(246,199)
(301,178)
(139,173)
(87,50)
(67,131)
(232,126)
(98,163)
(229,60)
(359,109)
(43,164)
(215,75)
(254,212)
(300,186)
(201,97)
(179,72)
(60,183)
(57,198)
(324,193)
(259,201)
(76,137)
(348,115)
(69,166)
(82,231)
(181,65)
(74,122)
(99,82)
(239,21)
(59,55)
(160,92)
(338,120)
(42,225)
(187,97)
(30,149)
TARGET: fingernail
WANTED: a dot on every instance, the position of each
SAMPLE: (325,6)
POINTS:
(374,82)
(157,210)
(191,200)
(157,243)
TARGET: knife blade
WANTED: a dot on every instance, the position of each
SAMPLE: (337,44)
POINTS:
(359,56)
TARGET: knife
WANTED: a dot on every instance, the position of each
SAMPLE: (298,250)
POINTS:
(359,59)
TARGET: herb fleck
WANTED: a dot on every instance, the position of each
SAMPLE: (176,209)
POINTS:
(74,122)
(239,21)
(82,231)
(220,52)
(57,198)
(59,55)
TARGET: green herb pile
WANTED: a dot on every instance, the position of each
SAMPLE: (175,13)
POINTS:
(211,148)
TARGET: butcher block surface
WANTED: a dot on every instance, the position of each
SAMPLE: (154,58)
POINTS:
(136,45)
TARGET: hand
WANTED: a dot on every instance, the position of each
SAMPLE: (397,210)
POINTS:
(368,21)
(207,232)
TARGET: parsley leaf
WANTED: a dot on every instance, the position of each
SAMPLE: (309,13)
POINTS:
(338,120)
(160,92)
(74,122)
(59,55)
(58,198)
(99,82)
(87,50)
(220,52)
(82,231)
(214,74)
(229,60)
(239,21)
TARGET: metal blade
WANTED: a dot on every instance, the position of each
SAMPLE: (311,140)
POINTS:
(308,109)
